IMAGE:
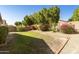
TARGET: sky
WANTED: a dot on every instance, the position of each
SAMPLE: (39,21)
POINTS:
(13,13)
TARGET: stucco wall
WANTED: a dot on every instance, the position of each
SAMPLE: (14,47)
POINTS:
(76,23)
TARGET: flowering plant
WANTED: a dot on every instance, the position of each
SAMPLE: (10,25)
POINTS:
(67,28)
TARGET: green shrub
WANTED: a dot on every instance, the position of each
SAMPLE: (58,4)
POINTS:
(54,30)
(11,28)
(3,34)
(34,27)
(69,30)
(44,27)
(20,29)
(31,27)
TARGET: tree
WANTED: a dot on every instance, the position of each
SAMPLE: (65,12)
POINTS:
(37,18)
(70,19)
(28,20)
(17,23)
(54,14)
(45,17)
(75,16)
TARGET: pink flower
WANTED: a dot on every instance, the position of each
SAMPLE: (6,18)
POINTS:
(65,25)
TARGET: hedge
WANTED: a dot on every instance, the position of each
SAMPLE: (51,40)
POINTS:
(3,34)
(44,27)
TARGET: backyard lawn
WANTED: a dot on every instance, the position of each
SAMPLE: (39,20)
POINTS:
(27,42)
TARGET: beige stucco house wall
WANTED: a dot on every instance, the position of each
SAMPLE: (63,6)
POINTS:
(76,23)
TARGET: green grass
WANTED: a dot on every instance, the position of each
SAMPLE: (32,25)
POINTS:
(29,33)
(28,42)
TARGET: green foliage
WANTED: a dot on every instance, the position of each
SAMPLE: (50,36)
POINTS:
(28,20)
(50,16)
(37,18)
(18,23)
(3,34)
(54,14)
(54,30)
(70,19)
(68,29)
(44,27)
(12,28)
(19,29)
(34,27)
(75,16)
(45,17)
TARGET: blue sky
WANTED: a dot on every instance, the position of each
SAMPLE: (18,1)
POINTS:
(13,13)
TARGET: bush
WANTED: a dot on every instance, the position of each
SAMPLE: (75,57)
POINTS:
(31,27)
(28,28)
(3,34)
(34,27)
(20,29)
(54,30)
(44,27)
(12,28)
(67,28)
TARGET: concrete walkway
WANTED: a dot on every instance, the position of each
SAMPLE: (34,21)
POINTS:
(72,47)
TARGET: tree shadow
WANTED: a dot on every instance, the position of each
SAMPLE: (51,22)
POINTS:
(28,45)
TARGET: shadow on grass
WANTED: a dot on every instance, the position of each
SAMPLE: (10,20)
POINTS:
(28,45)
